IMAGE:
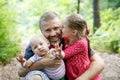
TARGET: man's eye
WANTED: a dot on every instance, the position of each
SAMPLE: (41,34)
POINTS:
(35,47)
(47,30)
(56,28)
(62,26)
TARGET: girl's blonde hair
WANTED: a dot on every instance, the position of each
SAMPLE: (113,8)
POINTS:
(77,22)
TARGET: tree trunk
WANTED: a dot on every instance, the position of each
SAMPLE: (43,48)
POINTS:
(78,6)
(96,13)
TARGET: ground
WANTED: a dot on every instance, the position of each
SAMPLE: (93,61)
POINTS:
(111,71)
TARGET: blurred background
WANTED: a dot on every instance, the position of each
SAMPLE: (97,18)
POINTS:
(19,20)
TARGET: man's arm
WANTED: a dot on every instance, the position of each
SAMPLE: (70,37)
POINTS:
(96,67)
(40,64)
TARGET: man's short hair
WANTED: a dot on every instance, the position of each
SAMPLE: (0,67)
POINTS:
(47,16)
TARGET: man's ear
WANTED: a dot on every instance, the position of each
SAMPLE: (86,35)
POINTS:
(74,32)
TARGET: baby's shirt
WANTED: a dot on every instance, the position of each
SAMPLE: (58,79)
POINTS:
(35,58)
(53,73)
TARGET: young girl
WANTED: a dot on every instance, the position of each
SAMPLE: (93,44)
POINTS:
(77,48)
(40,46)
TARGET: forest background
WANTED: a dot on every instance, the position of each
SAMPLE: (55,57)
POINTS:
(19,20)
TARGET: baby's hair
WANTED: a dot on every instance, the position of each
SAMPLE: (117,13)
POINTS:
(36,37)
(77,22)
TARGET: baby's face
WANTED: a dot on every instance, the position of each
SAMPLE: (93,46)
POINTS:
(40,46)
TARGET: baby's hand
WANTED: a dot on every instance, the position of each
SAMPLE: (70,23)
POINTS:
(57,51)
(54,53)
(21,59)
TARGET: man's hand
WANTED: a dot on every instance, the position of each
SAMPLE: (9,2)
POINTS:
(46,62)
(82,78)
(22,71)
(53,62)
(27,63)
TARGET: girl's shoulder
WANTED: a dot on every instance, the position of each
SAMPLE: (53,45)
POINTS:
(82,41)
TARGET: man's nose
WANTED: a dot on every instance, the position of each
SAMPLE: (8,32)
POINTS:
(53,33)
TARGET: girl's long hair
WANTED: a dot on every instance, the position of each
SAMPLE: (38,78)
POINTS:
(77,22)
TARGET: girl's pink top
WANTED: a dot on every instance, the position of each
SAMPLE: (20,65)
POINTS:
(76,59)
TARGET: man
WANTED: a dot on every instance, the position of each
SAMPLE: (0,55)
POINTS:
(50,26)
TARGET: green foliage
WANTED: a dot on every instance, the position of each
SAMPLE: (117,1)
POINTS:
(24,15)
(33,9)
(9,41)
(107,37)
(109,4)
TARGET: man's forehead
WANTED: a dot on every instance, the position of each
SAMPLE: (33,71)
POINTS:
(51,24)
(51,21)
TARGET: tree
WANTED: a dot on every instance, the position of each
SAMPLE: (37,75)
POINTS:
(78,6)
(96,13)
(9,42)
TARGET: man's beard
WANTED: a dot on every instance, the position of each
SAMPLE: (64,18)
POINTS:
(57,41)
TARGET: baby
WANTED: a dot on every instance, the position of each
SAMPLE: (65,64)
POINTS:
(40,47)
